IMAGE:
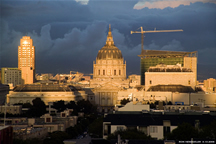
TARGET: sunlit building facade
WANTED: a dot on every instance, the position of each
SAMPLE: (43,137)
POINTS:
(154,57)
(109,74)
(26,60)
(11,76)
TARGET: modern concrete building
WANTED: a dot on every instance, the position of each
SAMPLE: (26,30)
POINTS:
(134,80)
(210,85)
(154,57)
(11,76)
(169,75)
(26,60)
(47,93)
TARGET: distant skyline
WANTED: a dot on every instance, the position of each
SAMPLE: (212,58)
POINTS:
(67,34)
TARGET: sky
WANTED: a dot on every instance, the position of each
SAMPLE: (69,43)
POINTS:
(67,34)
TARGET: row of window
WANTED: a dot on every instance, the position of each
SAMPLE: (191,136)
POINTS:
(99,72)
(150,82)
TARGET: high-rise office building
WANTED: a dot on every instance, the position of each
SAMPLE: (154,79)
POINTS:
(26,60)
(11,76)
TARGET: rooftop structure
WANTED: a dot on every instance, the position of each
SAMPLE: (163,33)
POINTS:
(172,88)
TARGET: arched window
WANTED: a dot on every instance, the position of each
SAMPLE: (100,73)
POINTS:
(103,72)
(119,72)
(114,72)
(98,72)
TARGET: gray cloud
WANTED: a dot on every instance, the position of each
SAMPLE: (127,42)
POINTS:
(67,35)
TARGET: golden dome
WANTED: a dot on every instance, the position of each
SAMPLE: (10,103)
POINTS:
(109,51)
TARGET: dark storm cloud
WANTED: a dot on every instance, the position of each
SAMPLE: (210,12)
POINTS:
(67,35)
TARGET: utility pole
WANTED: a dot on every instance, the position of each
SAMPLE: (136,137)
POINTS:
(152,31)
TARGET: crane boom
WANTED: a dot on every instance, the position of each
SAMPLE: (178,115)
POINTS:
(152,31)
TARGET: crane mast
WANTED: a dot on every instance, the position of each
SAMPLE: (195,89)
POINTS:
(152,31)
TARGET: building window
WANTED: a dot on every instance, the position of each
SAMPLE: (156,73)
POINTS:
(119,72)
(166,130)
(153,129)
(48,119)
(120,128)
(98,72)
(114,72)
(103,72)
(189,82)
(150,82)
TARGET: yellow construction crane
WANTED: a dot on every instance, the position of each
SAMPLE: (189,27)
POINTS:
(152,31)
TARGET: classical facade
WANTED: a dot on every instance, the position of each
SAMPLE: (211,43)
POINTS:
(47,93)
(26,60)
(109,74)
(109,65)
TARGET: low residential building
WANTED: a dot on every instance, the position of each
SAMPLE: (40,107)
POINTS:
(155,124)
(11,109)
(29,132)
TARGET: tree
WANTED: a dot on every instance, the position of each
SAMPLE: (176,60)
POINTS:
(184,131)
(96,127)
(86,107)
(38,108)
(152,106)
(125,101)
(59,105)
(209,131)
(169,103)
(129,134)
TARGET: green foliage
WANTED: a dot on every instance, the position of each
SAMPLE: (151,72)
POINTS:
(152,106)
(80,106)
(208,131)
(86,107)
(184,131)
(96,127)
(38,108)
(169,103)
(124,101)
(59,105)
(129,134)
(26,105)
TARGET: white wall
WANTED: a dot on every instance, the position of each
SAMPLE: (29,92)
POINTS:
(164,78)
